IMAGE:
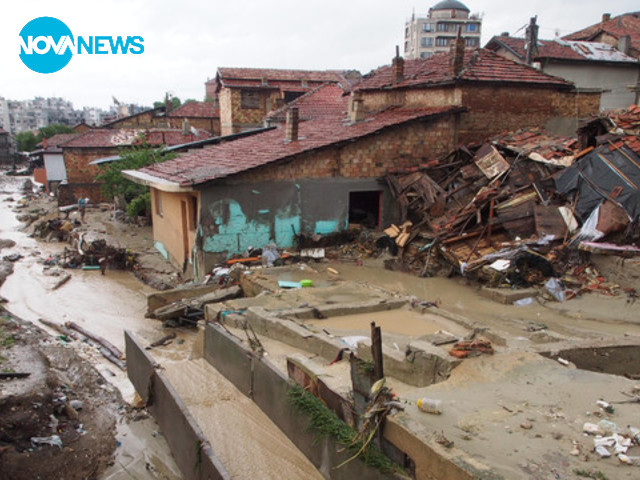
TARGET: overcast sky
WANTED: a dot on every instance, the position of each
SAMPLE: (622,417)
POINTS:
(186,40)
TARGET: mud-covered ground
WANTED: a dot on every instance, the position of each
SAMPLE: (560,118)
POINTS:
(59,421)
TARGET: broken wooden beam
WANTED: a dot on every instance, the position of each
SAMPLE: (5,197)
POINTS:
(115,351)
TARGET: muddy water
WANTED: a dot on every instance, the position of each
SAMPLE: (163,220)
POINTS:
(103,305)
(400,321)
(589,316)
(246,441)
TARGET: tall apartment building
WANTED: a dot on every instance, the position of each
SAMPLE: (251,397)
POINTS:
(426,35)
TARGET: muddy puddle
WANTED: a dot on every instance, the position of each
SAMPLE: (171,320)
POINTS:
(400,321)
(249,445)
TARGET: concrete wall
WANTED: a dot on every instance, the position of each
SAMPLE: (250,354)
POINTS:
(261,381)
(191,450)
(236,216)
(611,77)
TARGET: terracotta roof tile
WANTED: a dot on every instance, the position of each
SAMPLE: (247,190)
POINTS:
(563,50)
(327,100)
(196,110)
(535,140)
(60,139)
(109,138)
(626,24)
(479,65)
(219,161)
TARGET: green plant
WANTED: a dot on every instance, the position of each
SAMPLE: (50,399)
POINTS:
(140,206)
(325,422)
(7,340)
(595,474)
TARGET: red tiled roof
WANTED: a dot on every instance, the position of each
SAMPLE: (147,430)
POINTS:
(479,65)
(535,140)
(626,24)
(327,100)
(563,50)
(293,80)
(60,139)
(123,137)
(219,161)
(196,110)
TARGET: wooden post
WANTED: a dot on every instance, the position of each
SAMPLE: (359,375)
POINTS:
(376,352)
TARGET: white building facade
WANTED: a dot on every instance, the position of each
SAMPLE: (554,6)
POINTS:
(434,32)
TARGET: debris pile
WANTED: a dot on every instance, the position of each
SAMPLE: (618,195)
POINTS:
(519,210)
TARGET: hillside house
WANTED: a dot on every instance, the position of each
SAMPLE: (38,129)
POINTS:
(199,115)
(316,173)
(589,65)
(621,32)
(246,95)
(79,152)
(499,94)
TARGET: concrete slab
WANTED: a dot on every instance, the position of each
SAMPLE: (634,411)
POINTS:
(507,296)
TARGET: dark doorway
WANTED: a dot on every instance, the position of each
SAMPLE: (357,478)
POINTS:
(364,209)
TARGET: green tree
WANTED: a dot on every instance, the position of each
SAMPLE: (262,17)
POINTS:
(26,141)
(53,129)
(114,184)
(175,102)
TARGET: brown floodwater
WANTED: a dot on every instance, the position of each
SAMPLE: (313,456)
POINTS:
(242,436)
(400,321)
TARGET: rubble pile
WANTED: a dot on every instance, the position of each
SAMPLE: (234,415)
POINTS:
(520,209)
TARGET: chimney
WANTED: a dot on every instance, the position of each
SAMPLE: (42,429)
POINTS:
(531,40)
(291,127)
(44,143)
(624,44)
(504,34)
(397,67)
(356,107)
(456,60)
(606,17)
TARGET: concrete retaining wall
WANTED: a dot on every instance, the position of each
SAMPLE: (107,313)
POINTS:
(191,450)
(269,392)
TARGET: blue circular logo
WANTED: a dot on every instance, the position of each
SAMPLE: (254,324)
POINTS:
(46,45)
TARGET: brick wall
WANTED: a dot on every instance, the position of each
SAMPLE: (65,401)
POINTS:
(81,176)
(399,147)
(498,108)
(235,119)
(142,120)
(209,124)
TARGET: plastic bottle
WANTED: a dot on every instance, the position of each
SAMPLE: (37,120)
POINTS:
(430,405)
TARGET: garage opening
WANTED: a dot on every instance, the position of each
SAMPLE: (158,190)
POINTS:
(364,209)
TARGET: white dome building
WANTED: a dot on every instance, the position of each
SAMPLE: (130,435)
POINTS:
(434,32)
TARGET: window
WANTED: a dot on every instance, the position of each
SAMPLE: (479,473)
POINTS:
(425,54)
(471,42)
(426,42)
(443,27)
(427,27)
(442,42)
(406,32)
(250,99)
(471,27)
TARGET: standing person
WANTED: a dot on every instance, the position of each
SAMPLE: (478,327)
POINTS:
(82,206)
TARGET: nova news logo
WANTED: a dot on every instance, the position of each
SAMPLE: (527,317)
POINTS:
(47,45)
